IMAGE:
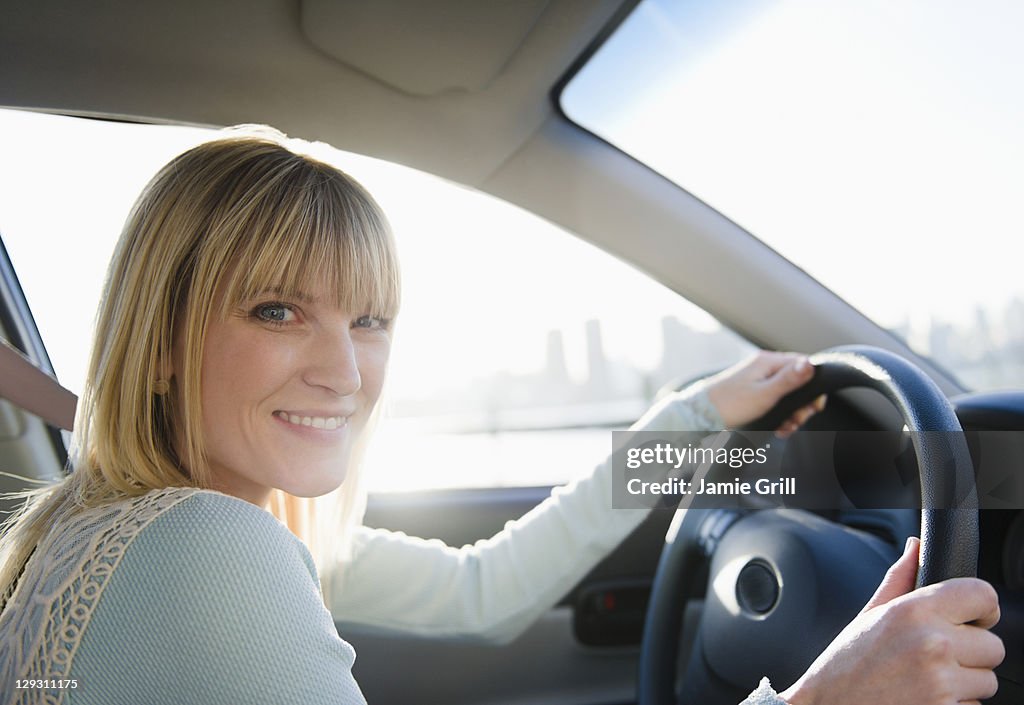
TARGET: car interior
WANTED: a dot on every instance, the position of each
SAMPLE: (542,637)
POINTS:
(470,92)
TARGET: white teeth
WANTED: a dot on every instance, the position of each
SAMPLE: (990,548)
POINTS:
(328,423)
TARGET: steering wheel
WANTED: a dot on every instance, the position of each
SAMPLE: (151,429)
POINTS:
(782,582)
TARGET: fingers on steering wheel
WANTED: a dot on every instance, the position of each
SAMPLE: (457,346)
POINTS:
(786,430)
(784,370)
(768,363)
(977,682)
(800,417)
(967,601)
(977,648)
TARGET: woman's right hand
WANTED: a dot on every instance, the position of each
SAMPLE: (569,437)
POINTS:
(928,646)
(753,386)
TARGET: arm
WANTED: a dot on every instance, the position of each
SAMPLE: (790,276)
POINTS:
(25,385)
(215,602)
(494,589)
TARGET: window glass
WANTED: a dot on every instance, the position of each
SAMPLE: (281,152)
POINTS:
(875,144)
(517,348)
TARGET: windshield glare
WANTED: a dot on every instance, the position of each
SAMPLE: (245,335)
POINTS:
(877,145)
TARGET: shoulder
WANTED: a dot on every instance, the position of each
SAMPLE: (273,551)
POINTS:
(203,535)
(205,508)
(216,520)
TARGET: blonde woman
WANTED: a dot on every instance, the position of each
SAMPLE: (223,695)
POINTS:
(240,350)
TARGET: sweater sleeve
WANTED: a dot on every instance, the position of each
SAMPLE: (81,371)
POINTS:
(493,590)
(764,695)
(214,602)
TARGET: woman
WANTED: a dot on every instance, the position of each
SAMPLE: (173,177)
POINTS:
(240,351)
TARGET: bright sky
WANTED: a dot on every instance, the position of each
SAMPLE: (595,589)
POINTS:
(878,144)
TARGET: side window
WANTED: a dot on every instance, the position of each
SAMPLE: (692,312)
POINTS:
(66,186)
(518,346)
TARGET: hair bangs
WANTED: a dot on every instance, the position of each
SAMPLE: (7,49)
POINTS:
(328,233)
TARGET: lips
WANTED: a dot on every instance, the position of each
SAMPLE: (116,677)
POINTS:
(327,423)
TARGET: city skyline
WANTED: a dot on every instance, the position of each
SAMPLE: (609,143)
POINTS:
(621,390)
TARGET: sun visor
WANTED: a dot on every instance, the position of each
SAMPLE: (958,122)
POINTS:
(422,48)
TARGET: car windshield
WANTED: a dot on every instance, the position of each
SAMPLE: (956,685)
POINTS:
(877,145)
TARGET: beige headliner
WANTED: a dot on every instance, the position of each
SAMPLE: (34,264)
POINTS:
(478,111)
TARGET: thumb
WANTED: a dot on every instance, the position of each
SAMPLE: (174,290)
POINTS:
(790,376)
(901,577)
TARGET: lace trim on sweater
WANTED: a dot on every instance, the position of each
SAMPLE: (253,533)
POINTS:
(50,607)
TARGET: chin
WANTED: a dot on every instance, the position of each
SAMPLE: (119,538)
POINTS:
(316,488)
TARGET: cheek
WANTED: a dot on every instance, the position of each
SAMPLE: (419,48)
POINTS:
(238,372)
(224,367)
(373,365)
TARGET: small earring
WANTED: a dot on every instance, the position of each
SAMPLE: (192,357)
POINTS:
(161,387)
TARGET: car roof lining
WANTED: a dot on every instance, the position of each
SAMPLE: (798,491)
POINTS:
(248,60)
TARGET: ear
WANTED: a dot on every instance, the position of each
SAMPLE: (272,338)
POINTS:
(168,353)
(165,369)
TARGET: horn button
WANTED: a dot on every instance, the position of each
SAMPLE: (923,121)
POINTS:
(757,587)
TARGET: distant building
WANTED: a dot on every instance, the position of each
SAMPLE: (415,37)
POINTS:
(598,382)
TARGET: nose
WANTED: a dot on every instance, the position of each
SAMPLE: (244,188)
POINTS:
(333,362)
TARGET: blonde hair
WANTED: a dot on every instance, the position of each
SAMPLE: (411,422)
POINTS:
(238,215)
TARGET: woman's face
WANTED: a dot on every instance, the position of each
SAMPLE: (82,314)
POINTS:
(287,385)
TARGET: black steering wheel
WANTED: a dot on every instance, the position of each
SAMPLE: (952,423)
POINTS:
(782,582)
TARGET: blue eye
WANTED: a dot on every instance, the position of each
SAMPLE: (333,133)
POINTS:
(275,313)
(372,322)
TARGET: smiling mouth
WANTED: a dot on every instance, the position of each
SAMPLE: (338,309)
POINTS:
(328,423)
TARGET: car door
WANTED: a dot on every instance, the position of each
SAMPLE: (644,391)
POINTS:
(30,449)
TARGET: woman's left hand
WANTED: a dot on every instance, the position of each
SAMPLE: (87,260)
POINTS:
(752,387)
